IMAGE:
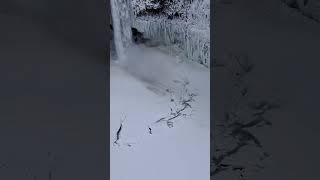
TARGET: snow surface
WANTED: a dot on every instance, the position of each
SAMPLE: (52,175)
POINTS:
(142,90)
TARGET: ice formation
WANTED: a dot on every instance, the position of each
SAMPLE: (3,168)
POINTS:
(194,43)
(122,22)
(189,33)
(186,35)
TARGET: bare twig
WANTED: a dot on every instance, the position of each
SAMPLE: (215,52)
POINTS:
(118,134)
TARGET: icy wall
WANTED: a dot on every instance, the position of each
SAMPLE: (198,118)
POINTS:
(194,43)
(122,22)
(184,25)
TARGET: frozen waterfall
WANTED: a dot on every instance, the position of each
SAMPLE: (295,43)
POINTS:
(187,36)
(194,43)
(122,21)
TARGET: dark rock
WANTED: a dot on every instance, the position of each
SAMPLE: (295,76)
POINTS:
(138,36)
(177,14)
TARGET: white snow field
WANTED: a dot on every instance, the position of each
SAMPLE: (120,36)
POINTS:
(147,90)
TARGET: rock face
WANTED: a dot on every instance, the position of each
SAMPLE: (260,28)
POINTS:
(139,38)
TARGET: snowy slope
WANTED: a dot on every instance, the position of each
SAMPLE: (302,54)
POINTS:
(143,89)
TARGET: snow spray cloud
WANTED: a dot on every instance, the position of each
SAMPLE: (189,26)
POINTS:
(148,65)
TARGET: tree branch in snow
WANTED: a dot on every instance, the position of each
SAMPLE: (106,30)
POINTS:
(118,133)
(182,105)
(150,130)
